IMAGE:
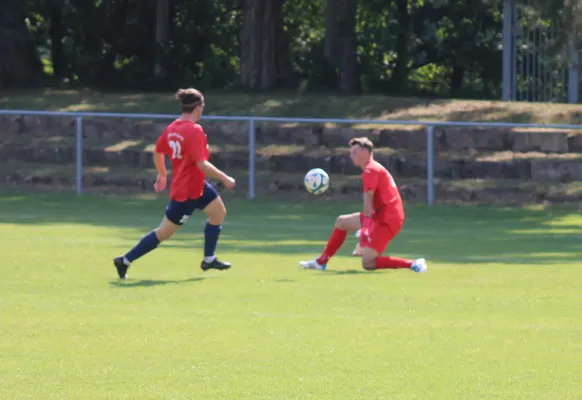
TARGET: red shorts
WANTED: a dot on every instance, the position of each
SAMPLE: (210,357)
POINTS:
(381,234)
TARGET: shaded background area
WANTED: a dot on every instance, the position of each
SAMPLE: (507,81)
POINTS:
(396,47)
(442,234)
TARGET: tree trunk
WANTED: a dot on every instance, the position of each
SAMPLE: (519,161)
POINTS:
(263,45)
(162,35)
(340,43)
(349,78)
(457,79)
(331,41)
(56,33)
(400,73)
(19,61)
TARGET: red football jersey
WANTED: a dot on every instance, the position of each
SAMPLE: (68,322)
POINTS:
(387,201)
(185,143)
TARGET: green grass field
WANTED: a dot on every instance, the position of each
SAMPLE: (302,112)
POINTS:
(497,316)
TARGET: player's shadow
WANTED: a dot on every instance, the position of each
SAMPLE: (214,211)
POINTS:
(347,272)
(150,282)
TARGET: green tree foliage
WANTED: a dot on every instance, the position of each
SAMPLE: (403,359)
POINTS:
(19,59)
(567,14)
(438,47)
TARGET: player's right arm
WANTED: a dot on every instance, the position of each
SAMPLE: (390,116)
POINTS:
(159,161)
(368,204)
(370,184)
(370,181)
(198,150)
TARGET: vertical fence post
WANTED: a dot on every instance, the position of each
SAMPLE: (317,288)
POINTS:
(251,159)
(430,164)
(79,156)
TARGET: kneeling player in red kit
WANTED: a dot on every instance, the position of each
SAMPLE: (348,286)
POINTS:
(378,224)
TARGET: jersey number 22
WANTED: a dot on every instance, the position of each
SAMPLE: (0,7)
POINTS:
(176,149)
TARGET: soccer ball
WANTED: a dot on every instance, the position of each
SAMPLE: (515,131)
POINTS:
(316,181)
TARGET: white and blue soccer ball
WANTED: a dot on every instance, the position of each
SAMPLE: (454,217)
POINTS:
(316,181)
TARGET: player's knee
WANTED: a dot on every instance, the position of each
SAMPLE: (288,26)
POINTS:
(221,216)
(163,233)
(166,229)
(341,222)
(369,264)
(217,216)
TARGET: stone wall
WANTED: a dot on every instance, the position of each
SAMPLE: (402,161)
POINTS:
(124,146)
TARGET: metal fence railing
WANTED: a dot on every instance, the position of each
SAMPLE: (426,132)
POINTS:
(430,125)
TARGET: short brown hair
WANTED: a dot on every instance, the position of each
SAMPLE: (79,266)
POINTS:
(189,99)
(362,142)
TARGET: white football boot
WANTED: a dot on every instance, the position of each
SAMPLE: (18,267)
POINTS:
(312,264)
(419,265)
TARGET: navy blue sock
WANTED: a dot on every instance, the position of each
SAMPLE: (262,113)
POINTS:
(211,233)
(145,245)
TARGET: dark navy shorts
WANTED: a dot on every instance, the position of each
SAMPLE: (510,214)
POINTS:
(179,211)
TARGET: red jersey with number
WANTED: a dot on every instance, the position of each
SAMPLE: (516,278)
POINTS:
(387,201)
(185,143)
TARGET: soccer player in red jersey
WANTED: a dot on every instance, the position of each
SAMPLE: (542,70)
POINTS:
(380,221)
(185,143)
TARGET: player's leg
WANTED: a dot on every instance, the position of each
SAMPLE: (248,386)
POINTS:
(343,224)
(358,249)
(213,206)
(372,260)
(380,236)
(177,213)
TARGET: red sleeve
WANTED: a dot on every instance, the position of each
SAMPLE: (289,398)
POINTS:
(162,144)
(370,180)
(198,145)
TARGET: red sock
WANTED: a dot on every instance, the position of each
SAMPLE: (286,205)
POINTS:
(392,263)
(337,238)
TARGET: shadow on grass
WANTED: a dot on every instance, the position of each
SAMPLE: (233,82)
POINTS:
(442,234)
(347,272)
(149,282)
